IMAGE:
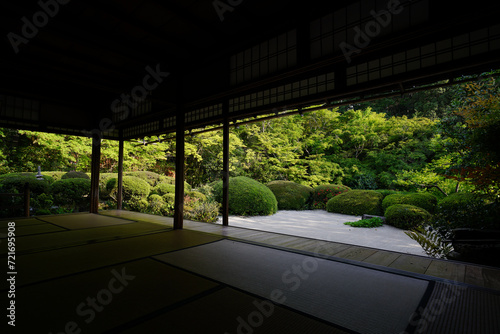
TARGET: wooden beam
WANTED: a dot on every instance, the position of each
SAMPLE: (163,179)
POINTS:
(179,172)
(94,176)
(225,172)
(119,195)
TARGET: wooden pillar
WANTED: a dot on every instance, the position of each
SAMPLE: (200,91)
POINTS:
(225,172)
(119,195)
(179,172)
(94,173)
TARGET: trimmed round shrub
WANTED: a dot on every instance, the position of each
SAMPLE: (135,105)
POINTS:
(55,175)
(406,216)
(357,203)
(71,193)
(422,200)
(463,210)
(163,188)
(322,194)
(197,196)
(133,188)
(75,175)
(151,178)
(247,197)
(171,180)
(291,195)
(15,183)
(103,181)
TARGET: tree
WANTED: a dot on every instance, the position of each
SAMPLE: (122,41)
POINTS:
(473,129)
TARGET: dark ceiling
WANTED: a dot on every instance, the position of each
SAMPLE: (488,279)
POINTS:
(64,63)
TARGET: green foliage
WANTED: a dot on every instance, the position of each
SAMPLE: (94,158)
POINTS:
(204,211)
(163,188)
(171,180)
(196,195)
(207,190)
(55,175)
(72,193)
(364,181)
(43,204)
(422,200)
(406,216)
(464,210)
(322,194)
(431,241)
(104,193)
(157,204)
(368,223)
(387,192)
(137,204)
(75,175)
(247,197)
(151,178)
(290,195)
(357,203)
(14,183)
(134,188)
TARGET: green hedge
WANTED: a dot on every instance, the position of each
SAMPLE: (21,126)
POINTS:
(406,216)
(171,180)
(356,202)
(163,188)
(55,175)
(387,192)
(15,183)
(151,178)
(197,196)
(247,197)
(134,188)
(72,193)
(322,194)
(157,205)
(75,175)
(104,193)
(465,210)
(291,195)
(422,200)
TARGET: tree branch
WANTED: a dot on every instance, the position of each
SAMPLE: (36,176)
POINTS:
(433,186)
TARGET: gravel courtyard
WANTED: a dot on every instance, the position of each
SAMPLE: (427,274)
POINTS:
(319,224)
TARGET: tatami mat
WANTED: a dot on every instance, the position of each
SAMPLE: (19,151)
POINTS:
(33,229)
(457,309)
(51,264)
(361,299)
(99,300)
(21,222)
(83,236)
(84,220)
(230,311)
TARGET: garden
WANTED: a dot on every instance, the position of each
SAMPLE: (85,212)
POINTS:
(427,163)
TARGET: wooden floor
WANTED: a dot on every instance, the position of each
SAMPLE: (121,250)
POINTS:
(73,273)
(477,275)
